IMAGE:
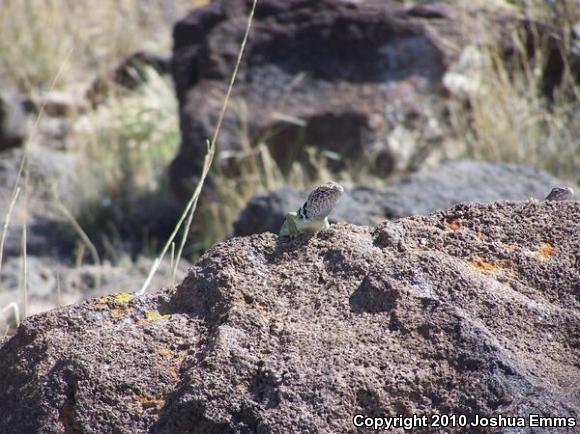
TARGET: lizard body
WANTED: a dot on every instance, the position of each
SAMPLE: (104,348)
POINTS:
(312,217)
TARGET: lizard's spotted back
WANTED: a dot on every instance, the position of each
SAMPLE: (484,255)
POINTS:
(321,201)
(313,215)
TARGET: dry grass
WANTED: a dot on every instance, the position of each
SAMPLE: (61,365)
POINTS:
(508,117)
(561,12)
(36,36)
(211,147)
(129,140)
(125,145)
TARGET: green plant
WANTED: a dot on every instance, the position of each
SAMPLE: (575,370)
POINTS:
(129,139)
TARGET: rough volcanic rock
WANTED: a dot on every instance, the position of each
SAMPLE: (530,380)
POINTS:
(423,192)
(53,282)
(471,311)
(14,127)
(364,79)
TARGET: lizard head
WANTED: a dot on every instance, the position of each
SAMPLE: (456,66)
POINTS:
(560,193)
(322,199)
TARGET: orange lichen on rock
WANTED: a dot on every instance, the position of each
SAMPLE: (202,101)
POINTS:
(173,370)
(453,225)
(543,253)
(120,311)
(101,306)
(547,250)
(145,402)
(506,263)
(164,352)
(480,264)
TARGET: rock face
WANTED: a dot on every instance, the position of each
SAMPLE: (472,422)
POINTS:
(471,311)
(363,80)
(348,77)
(423,192)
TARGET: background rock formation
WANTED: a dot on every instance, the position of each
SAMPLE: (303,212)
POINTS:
(337,75)
(364,80)
(474,310)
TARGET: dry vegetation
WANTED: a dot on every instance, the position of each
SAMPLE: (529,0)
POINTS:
(508,118)
(85,37)
(126,142)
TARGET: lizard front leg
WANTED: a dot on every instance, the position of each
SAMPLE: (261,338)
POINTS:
(290,226)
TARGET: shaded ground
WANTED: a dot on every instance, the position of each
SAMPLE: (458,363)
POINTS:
(472,311)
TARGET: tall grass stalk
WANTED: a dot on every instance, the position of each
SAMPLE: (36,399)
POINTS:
(7,222)
(83,236)
(24,241)
(171,265)
(192,204)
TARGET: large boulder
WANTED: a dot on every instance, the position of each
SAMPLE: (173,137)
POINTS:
(362,80)
(428,190)
(473,311)
(346,77)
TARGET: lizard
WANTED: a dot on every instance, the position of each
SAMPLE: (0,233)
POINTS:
(312,217)
(560,193)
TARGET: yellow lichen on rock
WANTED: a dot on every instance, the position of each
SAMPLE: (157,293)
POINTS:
(153,316)
(123,298)
(118,303)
